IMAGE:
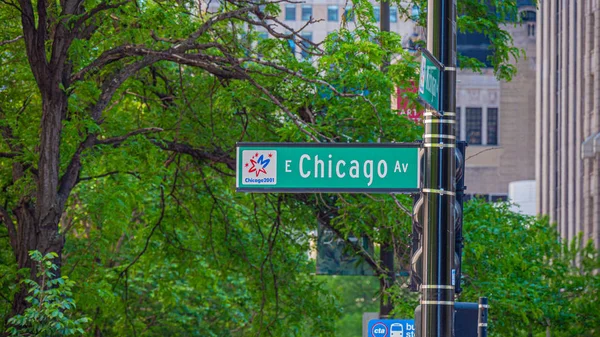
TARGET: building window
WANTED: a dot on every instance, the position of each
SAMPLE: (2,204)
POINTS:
(393,14)
(307,36)
(486,197)
(306,12)
(292,46)
(290,12)
(349,14)
(332,13)
(473,126)
(498,197)
(531,29)
(377,13)
(492,126)
(528,16)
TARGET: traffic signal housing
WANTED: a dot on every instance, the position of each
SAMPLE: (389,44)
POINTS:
(416,260)
(416,266)
(459,188)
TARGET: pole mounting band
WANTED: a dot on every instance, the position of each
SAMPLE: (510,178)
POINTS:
(434,286)
(429,113)
(448,121)
(434,190)
(484,306)
(437,302)
(483,324)
(434,135)
(449,68)
(439,145)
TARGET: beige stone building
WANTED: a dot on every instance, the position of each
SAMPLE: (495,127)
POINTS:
(329,14)
(497,119)
(568,116)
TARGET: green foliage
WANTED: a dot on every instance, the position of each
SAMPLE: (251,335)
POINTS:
(354,296)
(52,305)
(534,282)
(157,240)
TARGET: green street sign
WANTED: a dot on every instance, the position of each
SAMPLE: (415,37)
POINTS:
(330,167)
(429,81)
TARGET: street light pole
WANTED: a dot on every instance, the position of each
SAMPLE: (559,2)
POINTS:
(386,252)
(439,141)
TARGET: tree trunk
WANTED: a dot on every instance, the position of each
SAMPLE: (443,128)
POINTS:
(37,224)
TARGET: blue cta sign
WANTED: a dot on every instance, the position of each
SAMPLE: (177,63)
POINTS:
(392,328)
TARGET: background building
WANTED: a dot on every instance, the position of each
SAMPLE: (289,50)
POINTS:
(568,116)
(330,14)
(497,118)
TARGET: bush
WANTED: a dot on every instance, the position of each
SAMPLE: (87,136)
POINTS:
(51,304)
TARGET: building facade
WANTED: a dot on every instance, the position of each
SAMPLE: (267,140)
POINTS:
(568,116)
(497,118)
(329,14)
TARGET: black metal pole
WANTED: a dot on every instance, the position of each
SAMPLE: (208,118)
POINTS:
(386,253)
(483,317)
(384,14)
(437,290)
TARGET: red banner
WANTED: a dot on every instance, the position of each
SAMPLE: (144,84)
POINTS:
(405,106)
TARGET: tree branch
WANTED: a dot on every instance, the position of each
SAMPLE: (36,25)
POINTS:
(158,222)
(109,174)
(302,126)
(2,43)
(482,151)
(217,155)
(101,7)
(34,40)
(8,154)
(190,41)
(355,247)
(10,225)
(12,5)
(180,47)
(71,175)
(217,65)
(42,24)
(104,59)
(399,204)
(118,140)
(110,85)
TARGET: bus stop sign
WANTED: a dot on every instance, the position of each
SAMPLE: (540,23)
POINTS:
(391,328)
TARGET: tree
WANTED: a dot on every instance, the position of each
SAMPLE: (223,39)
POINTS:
(120,122)
(536,284)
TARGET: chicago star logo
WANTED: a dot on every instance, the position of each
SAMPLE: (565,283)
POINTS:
(258,164)
(259,167)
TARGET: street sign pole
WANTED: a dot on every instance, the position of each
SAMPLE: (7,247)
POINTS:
(386,251)
(437,290)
